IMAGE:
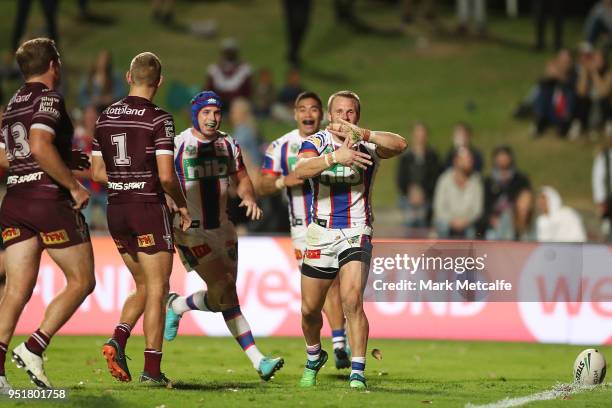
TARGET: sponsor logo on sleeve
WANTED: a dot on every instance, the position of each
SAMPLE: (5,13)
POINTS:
(54,237)
(145,241)
(47,105)
(10,233)
(169,128)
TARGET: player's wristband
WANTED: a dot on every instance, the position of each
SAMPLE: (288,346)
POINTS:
(333,156)
(366,135)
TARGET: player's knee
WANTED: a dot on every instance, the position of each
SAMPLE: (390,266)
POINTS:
(17,296)
(83,284)
(352,305)
(310,313)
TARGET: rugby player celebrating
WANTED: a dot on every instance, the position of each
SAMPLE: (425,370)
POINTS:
(340,162)
(278,175)
(206,162)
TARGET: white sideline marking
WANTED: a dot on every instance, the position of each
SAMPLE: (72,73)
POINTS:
(558,391)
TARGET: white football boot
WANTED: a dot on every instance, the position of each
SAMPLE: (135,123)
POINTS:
(5,387)
(33,364)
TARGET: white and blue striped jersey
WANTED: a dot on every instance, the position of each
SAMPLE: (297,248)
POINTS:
(204,169)
(280,159)
(342,195)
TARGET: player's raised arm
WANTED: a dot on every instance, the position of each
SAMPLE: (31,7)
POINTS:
(311,163)
(48,158)
(271,179)
(388,144)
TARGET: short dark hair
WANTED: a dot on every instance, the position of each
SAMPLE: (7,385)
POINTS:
(308,95)
(34,56)
(505,149)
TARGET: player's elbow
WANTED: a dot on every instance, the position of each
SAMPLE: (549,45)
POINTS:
(402,144)
(167,181)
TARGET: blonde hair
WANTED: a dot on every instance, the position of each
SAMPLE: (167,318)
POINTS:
(345,94)
(145,69)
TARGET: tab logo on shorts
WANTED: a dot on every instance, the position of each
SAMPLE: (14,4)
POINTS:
(54,237)
(313,253)
(201,251)
(10,233)
(145,241)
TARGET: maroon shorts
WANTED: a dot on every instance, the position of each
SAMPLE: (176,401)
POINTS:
(55,223)
(140,227)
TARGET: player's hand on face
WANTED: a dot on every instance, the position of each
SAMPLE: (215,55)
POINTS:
(252,209)
(80,196)
(291,180)
(79,160)
(349,157)
(185,218)
(346,130)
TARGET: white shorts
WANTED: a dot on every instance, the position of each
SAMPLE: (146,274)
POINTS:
(199,246)
(298,236)
(327,250)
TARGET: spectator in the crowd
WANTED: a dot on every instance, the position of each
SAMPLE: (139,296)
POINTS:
(21,18)
(229,77)
(593,89)
(545,10)
(244,130)
(297,16)
(410,9)
(83,141)
(417,174)
(472,10)
(555,96)
(523,219)
(502,188)
(556,222)
(264,93)
(458,198)
(163,11)
(602,188)
(599,23)
(103,85)
(282,110)
(462,137)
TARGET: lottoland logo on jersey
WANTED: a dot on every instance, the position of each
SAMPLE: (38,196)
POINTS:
(201,167)
(124,110)
(340,174)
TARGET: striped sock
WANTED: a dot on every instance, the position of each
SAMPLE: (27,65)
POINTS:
(152,362)
(3,350)
(357,365)
(313,352)
(195,301)
(121,334)
(240,329)
(338,338)
(38,342)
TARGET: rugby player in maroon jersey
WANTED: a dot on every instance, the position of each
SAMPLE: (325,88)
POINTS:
(133,155)
(41,209)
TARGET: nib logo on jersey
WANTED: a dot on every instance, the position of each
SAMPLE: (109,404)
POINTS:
(205,167)
(340,174)
(114,111)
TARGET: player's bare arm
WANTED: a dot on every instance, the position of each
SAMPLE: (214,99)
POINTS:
(271,183)
(388,144)
(170,184)
(4,163)
(311,165)
(49,160)
(246,192)
(98,170)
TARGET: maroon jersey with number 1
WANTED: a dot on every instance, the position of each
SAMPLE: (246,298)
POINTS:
(129,135)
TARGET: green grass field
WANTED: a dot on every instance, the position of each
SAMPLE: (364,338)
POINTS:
(212,372)
(423,74)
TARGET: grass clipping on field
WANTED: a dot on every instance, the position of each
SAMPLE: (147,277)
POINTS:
(559,391)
